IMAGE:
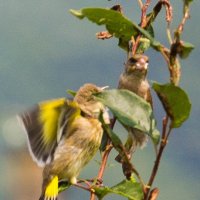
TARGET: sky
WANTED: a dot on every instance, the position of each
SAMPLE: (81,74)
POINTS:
(45,51)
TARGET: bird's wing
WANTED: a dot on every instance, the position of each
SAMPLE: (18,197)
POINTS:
(149,98)
(41,124)
(67,117)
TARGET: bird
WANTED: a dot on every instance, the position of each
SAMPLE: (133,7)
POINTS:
(64,135)
(134,79)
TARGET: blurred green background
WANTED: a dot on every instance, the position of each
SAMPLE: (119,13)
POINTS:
(44,51)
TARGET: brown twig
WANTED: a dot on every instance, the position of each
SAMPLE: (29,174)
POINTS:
(186,15)
(176,45)
(144,12)
(146,21)
(179,30)
(154,194)
(169,35)
(103,35)
(104,159)
(143,22)
(82,187)
(106,153)
(163,144)
(168,8)
(103,166)
(140,3)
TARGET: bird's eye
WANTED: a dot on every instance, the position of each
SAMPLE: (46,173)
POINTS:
(132,60)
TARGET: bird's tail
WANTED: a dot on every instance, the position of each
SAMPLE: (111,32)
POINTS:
(51,191)
(136,138)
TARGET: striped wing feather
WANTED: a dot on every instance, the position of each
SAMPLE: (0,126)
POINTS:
(41,124)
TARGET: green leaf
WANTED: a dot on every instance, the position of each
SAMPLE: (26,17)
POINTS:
(143,45)
(104,142)
(117,143)
(71,92)
(77,13)
(128,189)
(185,49)
(129,108)
(116,24)
(155,134)
(124,44)
(152,16)
(175,102)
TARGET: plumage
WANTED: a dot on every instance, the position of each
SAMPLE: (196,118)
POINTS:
(65,135)
(134,79)
(41,126)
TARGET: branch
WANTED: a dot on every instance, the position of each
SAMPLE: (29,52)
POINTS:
(175,46)
(154,194)
(104,159)
(140,3)
(122,151)
(186,15)
(168,9)
(163,144)
(143,23)
(146,21)
(82,187)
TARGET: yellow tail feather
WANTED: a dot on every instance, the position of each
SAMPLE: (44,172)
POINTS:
(51,191)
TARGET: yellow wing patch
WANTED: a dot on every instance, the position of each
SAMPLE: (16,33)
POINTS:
(51,191)
(49,118)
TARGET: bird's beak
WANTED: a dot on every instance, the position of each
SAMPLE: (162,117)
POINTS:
(105,87)
(142,66)
(146,66)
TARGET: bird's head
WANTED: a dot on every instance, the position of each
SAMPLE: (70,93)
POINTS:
(137,65)
(87,101)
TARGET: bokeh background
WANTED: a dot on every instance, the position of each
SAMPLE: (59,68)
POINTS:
(44,51)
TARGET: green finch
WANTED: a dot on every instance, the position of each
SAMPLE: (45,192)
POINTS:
(134,79)
(63,136)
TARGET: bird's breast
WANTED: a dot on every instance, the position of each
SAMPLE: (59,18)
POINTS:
(134,84)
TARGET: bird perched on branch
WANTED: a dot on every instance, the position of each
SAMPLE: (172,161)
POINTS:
(63,136)
(134,79)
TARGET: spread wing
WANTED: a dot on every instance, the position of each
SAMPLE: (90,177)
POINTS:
(41,124)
